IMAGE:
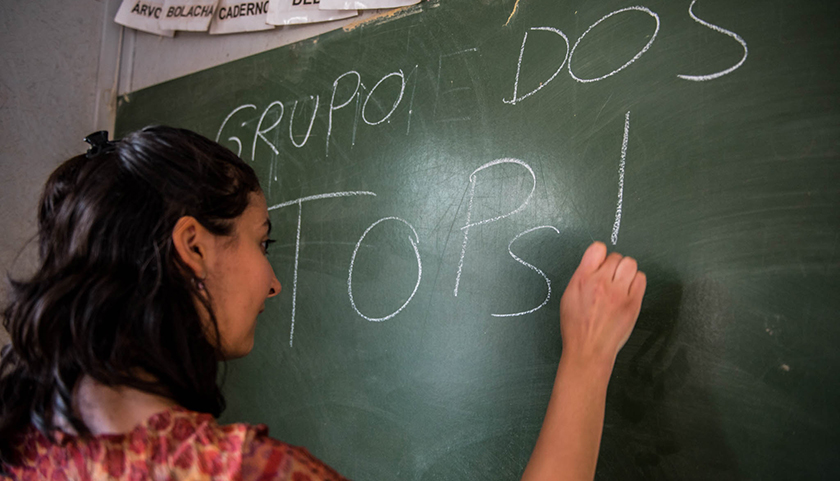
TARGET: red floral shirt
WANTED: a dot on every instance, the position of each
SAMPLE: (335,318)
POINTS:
(173,444)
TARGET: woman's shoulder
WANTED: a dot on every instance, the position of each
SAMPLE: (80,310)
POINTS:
(174,444)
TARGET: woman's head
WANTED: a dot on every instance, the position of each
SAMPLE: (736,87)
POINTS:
(232,270)
(151,260)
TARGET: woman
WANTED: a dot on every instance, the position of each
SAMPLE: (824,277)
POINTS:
(153,269)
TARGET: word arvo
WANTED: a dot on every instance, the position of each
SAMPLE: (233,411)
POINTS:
(141,8)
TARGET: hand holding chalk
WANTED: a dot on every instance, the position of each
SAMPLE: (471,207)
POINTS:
(600,306)
(597,314)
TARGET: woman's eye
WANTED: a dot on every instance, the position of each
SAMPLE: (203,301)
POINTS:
(267,243)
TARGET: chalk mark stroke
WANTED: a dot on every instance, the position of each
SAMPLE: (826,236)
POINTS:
(514,99)
(295,276)
(636,57)
(621,163)
(321,196)
(311,122)
(411,101)
(260,134)
(438,91)
(702,78)
(413,242)
(399,74)
(333,108)
(515,6)
(469,224)
(532,267)
(224,123)
(299,203)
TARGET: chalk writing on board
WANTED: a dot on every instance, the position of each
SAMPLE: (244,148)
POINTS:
(515,99)
(231,114)
(260,134)
(441,92)
(299,203)
(333,107)
(361,107)
(617,223)
(635,57)
(362,89)
(532,267)
(701,78)
(399,74)
(413,242)
(362,96)
(411,74)
(311,122)
(468,224)
(569,55)
(260,123)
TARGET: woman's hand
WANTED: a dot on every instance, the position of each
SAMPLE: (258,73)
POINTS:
(600,306)
(597,314)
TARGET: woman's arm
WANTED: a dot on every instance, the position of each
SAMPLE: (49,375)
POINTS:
(597,314)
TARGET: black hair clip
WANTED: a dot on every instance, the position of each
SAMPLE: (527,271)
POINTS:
(99,143)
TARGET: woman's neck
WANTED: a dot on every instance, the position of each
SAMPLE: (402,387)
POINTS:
(115,410)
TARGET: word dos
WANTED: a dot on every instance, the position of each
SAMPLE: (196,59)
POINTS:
(570,53)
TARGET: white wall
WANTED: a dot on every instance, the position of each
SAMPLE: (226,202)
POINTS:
(48,69)
(59,64)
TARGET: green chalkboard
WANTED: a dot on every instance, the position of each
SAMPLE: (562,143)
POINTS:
(454,146)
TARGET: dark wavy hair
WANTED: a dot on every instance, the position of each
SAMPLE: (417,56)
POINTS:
(111,296)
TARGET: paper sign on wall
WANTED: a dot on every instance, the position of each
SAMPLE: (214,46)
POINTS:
(240,16)
(192,15)
(291,12)
(365,4)
(142,15)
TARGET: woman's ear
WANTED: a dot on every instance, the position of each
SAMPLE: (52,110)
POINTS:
(192,242)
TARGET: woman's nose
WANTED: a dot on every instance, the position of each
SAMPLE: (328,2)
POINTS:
(275,287)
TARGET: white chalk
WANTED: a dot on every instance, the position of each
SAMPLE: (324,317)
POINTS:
(224,122)
(413,242)
(469,224)
(621,163)
(259,134)
(332,102)
(396,102)
(514,99)
(702,78)
(311,121)
(534,268)
(299,202)
(636,57)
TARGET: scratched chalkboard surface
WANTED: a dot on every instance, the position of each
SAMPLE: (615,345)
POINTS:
(434,176)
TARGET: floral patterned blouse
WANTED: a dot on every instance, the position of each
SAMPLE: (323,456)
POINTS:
(174,444)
